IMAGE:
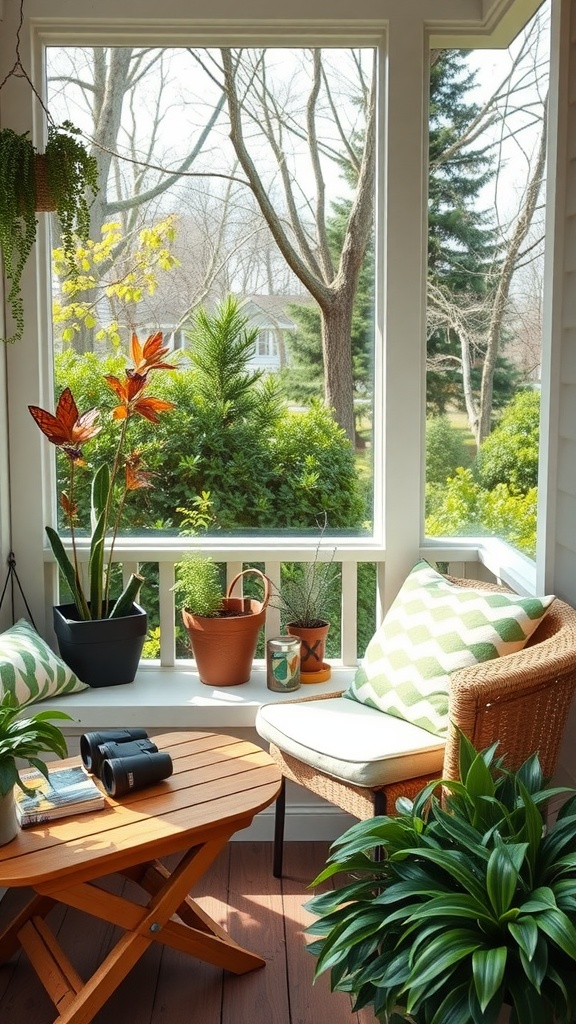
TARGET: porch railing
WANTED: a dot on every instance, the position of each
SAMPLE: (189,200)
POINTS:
(486,559)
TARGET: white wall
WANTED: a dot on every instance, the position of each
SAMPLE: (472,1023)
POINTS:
(557,513)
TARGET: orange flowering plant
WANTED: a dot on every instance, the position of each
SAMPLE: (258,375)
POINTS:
(69,431)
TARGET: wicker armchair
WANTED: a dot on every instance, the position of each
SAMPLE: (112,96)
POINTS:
(522,700)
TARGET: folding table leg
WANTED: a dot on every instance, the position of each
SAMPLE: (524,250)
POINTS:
(59,977)
(202,938)
(38,906)
(152,877)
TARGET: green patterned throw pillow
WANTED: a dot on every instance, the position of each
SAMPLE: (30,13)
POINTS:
(29,668)
(433,628)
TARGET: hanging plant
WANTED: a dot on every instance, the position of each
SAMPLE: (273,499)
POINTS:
(59,179)
(17,215)
(71,174)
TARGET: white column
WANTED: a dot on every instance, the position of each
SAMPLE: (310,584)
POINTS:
(404,260)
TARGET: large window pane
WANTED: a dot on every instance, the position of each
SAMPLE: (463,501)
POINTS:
(485,265)
(235,215)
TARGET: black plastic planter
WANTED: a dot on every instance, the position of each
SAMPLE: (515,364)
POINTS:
(102,652)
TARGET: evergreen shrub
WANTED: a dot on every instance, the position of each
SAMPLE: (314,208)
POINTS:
(445,449)
(510,454)
(263,471)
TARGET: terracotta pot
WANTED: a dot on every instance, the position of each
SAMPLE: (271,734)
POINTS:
(313,645)
(9,826)
(224,645)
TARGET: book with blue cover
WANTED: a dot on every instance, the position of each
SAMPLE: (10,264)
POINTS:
(70,791)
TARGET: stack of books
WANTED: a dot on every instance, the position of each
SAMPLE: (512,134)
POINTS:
(69,792)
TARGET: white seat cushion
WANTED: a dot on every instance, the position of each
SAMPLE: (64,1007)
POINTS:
(351,741)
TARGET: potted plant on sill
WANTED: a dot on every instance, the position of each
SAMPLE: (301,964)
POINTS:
(469,915)
(23,738)
(60,179)
(304,599)
(223,630)
(99,637)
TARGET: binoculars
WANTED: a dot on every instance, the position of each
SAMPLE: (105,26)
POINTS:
(124,759)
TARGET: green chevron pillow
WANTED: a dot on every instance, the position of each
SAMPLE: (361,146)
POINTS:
(433,628)
(29,668)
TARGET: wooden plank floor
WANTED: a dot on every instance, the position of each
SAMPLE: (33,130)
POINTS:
(166,987)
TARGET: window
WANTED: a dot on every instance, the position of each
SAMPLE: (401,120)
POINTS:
(388,414)
(485,279)
(228,204)
(267,345)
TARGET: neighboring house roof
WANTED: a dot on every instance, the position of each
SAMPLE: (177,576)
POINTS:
(270,310)
(262,311)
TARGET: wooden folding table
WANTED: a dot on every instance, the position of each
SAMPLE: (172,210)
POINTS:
(219,784)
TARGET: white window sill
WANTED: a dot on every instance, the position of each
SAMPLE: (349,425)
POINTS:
(174,698)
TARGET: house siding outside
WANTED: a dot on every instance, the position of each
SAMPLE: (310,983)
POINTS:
(269,314)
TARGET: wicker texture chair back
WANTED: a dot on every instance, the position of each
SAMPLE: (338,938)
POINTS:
(522,700)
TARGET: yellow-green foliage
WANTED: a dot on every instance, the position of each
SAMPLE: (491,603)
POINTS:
(462,507)
(101,271)
(510,454)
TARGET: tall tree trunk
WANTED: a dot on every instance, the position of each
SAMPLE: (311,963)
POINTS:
(338,369)
(113,80)
(112,84)
(504,282)
(333,291)
(469,400)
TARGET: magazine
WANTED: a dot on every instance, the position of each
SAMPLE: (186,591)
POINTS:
(70,791)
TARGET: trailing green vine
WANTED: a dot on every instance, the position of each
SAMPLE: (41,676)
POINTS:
(71,173)
(17,216)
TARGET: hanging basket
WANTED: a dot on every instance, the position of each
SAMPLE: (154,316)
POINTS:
(224,645)
(44,199)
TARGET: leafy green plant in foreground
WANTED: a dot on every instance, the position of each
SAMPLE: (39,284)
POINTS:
(472,906)
(26,738)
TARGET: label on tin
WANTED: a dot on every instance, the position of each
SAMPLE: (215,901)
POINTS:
(283,668)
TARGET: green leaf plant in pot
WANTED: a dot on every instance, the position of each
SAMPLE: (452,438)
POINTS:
(304,598)
(63,179)
(100,638)
(223,629)
(23,738)
(457,911)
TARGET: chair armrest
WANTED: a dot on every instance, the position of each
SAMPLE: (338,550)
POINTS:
(521,699)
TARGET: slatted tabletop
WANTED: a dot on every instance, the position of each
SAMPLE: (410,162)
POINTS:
(219,784)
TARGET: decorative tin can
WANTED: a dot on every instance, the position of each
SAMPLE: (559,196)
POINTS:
(283,664)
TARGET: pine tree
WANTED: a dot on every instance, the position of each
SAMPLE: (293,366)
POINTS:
(462,246)
(462,252)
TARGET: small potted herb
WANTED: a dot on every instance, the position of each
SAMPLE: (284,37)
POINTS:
(223,630)
(304,599)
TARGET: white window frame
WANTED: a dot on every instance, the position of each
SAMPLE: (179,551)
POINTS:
(404,35)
